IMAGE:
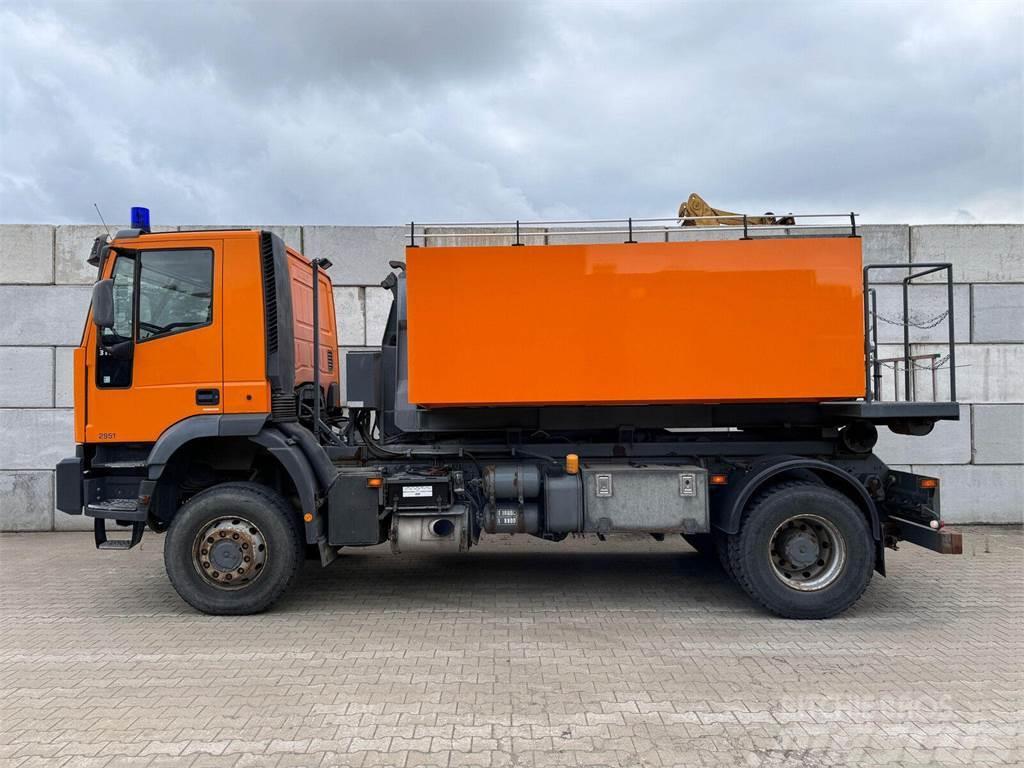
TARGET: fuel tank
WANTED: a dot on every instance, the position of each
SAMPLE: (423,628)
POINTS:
(769,319)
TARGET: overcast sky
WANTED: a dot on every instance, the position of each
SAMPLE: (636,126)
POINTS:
(379,113)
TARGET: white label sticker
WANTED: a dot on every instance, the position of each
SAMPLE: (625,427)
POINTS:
(417,492)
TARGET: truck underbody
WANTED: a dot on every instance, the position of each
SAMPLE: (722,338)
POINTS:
(787,495)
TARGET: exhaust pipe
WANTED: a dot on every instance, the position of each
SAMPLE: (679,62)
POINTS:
(442,527)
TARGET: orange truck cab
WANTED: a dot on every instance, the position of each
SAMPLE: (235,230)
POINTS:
(547,390)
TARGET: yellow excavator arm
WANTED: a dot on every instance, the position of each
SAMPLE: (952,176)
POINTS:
(696,212)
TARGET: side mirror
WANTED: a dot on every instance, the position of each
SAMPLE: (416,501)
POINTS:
(103,304)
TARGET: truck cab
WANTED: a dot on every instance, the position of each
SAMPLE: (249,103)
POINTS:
(209,408)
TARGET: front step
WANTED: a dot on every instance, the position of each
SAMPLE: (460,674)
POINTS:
(102,542)
(117,509)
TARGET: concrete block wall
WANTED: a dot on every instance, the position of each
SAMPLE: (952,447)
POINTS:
(45,285)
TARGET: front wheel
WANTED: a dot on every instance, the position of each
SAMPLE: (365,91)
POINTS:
(233,549)
(804,551)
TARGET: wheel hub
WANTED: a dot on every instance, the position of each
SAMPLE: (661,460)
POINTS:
(226,555)
(230,552)
(800,547)
(807,552)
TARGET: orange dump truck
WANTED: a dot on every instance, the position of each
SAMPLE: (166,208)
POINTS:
(727,390)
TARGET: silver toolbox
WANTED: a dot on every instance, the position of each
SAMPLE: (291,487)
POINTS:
(662,499)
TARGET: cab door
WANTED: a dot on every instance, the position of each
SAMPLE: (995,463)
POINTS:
(162,361)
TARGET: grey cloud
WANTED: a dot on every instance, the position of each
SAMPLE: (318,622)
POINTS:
(380,113)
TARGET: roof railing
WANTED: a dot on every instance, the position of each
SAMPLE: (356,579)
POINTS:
(560,227)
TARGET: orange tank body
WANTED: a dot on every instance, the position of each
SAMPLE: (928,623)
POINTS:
(771,319)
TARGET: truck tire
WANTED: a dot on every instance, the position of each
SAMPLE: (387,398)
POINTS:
(803,551)
(233,549)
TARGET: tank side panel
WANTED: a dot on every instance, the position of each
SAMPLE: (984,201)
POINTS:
(724,321)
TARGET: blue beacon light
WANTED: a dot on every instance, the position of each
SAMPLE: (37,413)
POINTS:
(140,218)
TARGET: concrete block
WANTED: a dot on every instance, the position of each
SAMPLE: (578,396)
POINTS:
(980,253)
(73,245)
(360,255)
(691,234)
(26,377)
(378,307)
(998,313)
(35,438)
(948,443)
(64,522)
(978,494)
(64,378)
(26,253)
(350,315)
(291,234)
(37,315)
(985,373)
(927,303)
(26,501)
(886,244)
(465,236)
(606,234)
(999,434)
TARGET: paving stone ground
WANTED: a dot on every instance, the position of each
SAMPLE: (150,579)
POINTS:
(520,653)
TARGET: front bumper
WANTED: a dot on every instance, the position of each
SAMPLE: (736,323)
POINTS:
(70,479)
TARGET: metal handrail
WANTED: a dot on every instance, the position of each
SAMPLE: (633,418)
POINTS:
(933,356)
(871,362)
(541,222)
(479,228)
(635,231)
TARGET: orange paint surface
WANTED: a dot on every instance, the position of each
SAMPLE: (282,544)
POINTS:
(719,321)
(227,355)
(166,371)
(302,311)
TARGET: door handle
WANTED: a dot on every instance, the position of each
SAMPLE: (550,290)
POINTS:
(207,397)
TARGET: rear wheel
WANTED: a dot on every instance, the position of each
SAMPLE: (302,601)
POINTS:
(233,549)
(804,551)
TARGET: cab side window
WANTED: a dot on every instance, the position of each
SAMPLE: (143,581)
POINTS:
(175,291)
(124,291)
(114,352)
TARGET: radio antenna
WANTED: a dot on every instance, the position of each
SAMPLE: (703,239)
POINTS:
(102,219)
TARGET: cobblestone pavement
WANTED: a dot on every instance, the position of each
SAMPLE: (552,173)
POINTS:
(520,653)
